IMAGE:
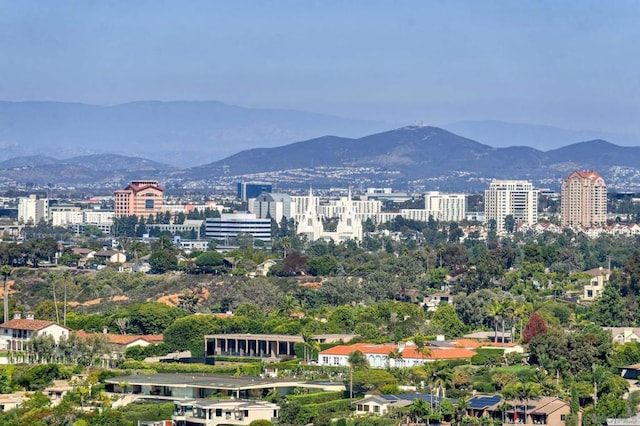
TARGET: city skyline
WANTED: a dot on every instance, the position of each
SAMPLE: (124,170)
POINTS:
(564,64)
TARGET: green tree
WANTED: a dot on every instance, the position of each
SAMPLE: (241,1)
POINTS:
(210,262)
(446,321)
(6,272)
(163,261)
(187,333)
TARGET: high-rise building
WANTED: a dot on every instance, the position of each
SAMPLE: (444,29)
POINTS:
(33,209)
(583,200)
(515,198)
(140,198)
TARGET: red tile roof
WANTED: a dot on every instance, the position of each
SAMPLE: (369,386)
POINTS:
(123,339)
(409,351)
(27,324)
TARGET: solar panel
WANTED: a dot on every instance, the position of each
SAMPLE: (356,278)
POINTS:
(478,402)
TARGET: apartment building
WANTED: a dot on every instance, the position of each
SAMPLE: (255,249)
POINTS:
(33,209)
(446,207)
(583,200)
(517,198)
(140,198)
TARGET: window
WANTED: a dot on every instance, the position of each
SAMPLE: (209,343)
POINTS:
(148,204)
(376,409)
(218,412)
(563,417)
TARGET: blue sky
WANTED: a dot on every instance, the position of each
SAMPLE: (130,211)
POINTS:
(573,64)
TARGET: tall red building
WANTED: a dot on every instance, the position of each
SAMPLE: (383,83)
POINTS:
(584,200)
(140,198)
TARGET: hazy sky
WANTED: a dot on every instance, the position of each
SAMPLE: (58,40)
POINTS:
(574,64)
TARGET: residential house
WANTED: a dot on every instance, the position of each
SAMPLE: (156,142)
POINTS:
(599,278)
(112,256)
(381,405)
(492,336)
(121,342)
(544,410)
(431,302)
(15,333)
(214,412)
(624,334)
(401,355)
(11,400)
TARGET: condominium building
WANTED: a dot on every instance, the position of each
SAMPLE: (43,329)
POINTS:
(33,209)
(583,200)
(140,198)
(445,207)
(516,198)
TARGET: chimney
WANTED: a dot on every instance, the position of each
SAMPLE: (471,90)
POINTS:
(29,315)
(401,346)
(105,329)
(17,315)
(440,338)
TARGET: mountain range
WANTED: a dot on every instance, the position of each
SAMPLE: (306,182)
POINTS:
(426,158)
(181,133)
(206,144)
(504,134)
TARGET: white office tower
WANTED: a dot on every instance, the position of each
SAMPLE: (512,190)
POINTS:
(517,198)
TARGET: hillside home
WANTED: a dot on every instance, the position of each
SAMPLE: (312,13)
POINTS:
(15,333)
(599,278)
(212,412)
(402,355)
(121,342)
(431,302)
(381,405)
(624,335)
(112,256)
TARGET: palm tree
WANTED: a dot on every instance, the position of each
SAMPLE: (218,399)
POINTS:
(419,409)
(599,376)
(494,310)
(356,360)
(421,346)
(6,271)
(521,311)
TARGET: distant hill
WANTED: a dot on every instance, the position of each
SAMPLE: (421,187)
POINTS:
(426,157)
(504,134)
(178,133)
(43,169)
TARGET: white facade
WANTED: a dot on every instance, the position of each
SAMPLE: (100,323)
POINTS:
(446,207)
(231,225)
(15,333)
(517,198)
(33,209)
(272,205)
(349,226)
(223,412)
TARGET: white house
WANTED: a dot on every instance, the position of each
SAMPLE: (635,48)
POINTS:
(402,355)
(211,412)
(599,278)
(16,332)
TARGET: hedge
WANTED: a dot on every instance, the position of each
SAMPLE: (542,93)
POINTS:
(163,367)
(316,398)
(311,411)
